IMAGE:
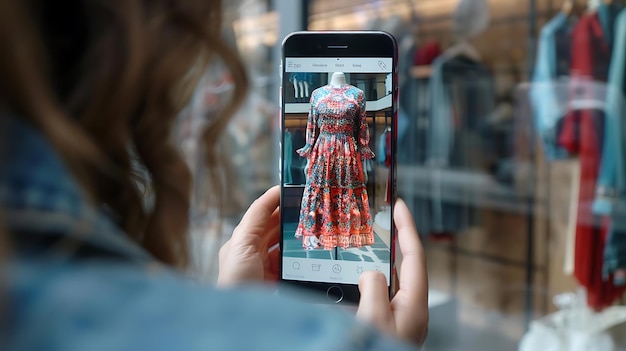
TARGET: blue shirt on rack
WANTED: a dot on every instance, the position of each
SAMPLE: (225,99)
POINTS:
(611,192)
(611,182)
(462,98)
(548,110)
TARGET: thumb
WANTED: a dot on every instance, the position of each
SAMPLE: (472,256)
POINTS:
(374,307)
(257,216)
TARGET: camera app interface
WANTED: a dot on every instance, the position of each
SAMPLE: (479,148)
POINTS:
(335,168)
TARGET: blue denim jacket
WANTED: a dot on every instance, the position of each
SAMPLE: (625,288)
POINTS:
(462,99)
(611,192)
(542,92)
(611,181)
(76,282)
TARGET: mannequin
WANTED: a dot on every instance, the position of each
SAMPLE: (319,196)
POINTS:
(301,89)
(337,80)
(471,17)
(301,83)
(335,207)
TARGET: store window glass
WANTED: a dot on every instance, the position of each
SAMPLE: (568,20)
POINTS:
(511,158)
(248,144)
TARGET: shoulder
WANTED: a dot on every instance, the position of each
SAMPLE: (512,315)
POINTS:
(356,93)
(103,306)
(319,92)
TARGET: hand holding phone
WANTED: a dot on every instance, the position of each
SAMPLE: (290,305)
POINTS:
(250,256)
(337,196)
(406,316)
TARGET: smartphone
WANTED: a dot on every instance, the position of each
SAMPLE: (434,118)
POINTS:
(337,164)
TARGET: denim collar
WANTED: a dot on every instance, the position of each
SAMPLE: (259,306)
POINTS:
(40,197)
(607,13)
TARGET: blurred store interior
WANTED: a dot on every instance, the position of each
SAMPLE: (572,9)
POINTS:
(511,155)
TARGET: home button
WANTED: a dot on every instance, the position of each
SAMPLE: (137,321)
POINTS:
(334,294)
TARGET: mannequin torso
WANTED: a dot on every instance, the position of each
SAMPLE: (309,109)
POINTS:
(337,80)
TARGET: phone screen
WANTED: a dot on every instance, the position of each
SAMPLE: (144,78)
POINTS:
(336,168)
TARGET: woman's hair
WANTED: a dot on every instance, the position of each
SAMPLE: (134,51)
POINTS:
(104,81)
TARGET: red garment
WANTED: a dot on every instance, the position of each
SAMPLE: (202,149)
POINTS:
(427,53)
(582,135)
(388,164)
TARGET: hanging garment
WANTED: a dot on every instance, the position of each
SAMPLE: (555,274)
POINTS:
(461,100)
(611,191)
(335,209)
(427,53)
(380,158)
(406,51)
(411,150)
(298,140)
(388,162)
(384,158)
(301,77)
(607,14)
(582,135)
(552,55)
(615,251)
(288,149)
(414,101)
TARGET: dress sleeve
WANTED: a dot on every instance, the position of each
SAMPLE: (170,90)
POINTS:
(311,130)
(364,132)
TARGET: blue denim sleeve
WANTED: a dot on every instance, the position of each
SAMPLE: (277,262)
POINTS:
(615,249)
(439,136)
(287,157)
(543,96)
(611,179)
(611,192)
(113,307)
(439,142)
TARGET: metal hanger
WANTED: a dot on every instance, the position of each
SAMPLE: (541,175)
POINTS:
(593,5)
(573,8)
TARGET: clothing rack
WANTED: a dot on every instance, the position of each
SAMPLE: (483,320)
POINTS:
(525,205)
(553,11)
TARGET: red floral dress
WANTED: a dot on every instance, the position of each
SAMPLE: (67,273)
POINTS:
(335,210)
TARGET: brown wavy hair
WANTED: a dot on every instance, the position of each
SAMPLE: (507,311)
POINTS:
(104,80)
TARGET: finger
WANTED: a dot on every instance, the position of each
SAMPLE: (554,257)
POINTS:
(272,265)
(257,216)
(271,249)
(395,283)
(268,240)
(271,234)
(374,307)
(413,274)
(223,252)
(410,304)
